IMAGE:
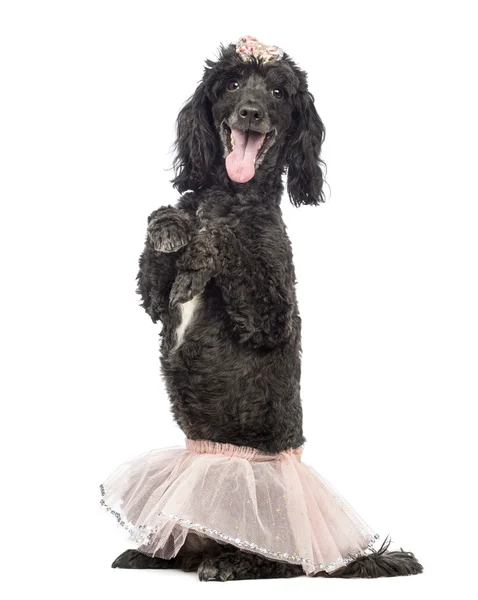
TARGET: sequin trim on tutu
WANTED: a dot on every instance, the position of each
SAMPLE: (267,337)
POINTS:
(313,526)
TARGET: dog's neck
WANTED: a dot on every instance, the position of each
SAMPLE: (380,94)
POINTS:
(267,183)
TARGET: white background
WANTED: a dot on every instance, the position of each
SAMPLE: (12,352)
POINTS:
(387,272)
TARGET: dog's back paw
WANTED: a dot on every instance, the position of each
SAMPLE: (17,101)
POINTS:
(381,563)
(134,559)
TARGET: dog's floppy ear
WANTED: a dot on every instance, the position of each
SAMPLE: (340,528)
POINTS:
(196,143)
(304,168)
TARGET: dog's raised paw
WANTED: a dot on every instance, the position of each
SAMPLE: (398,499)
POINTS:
(168,236)
(187,285)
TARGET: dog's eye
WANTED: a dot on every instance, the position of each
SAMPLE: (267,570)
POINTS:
(278,93)
(233,84)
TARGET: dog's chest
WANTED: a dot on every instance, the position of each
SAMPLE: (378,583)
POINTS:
(188,311)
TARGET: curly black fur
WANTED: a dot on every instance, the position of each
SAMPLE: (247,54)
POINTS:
(228,566)
(234,376)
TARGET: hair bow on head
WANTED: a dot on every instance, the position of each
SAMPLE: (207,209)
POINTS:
(248,46)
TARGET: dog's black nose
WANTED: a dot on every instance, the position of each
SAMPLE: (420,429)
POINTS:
(251,113)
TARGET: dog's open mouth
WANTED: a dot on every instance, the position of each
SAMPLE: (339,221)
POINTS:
(245,151)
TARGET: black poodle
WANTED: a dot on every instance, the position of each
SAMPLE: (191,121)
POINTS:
(217,271)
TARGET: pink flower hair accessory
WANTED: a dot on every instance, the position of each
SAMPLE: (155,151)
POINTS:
(248,47)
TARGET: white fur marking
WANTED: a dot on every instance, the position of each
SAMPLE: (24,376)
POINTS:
(187,312)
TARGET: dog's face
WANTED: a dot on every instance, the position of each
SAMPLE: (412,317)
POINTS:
(252,112)
(251,117)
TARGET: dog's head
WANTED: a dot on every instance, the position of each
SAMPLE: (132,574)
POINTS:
(253,114)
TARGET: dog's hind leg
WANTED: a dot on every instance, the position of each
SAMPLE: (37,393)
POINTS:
(191,554)
(233,565)
(134,559)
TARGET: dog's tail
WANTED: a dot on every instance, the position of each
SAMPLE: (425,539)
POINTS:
(381,563)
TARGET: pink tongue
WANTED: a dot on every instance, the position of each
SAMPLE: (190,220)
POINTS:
(240,162)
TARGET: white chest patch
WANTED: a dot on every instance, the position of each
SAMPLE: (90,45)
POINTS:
(187,313)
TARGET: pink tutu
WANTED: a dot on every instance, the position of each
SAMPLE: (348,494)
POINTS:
(270,504)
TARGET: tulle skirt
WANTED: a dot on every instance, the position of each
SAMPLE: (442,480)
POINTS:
(273,505)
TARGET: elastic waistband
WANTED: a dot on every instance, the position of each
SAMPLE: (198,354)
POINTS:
(252,454)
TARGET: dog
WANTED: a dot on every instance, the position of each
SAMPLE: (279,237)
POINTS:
(217,273)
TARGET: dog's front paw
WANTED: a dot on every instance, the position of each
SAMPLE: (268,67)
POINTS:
(187,285)
(169,234)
